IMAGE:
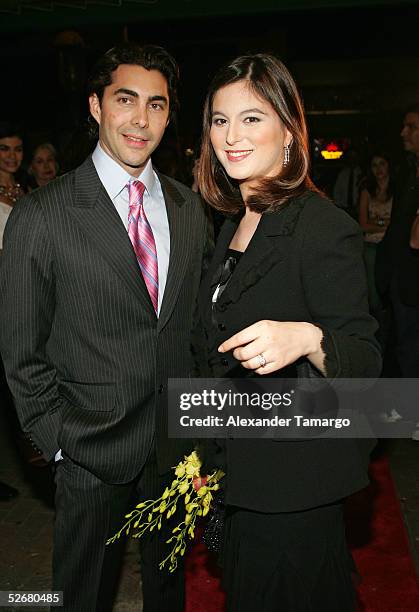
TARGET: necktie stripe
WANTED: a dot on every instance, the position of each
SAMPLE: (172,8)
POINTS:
(147,273)
(146,263)
(147,244)
(142,239)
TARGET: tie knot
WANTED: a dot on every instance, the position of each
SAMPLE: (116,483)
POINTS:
(136,192)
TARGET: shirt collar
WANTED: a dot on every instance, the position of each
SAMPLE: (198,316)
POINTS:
(114,178)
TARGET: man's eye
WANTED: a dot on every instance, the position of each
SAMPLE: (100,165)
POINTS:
(124,100)
(156,106)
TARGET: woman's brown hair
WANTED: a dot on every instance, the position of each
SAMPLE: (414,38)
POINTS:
(270,80)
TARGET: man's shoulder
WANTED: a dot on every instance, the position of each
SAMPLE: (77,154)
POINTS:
(184,195)
(174,184)
(55,189)
(64,187)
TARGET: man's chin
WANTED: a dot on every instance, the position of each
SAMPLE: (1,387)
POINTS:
(137,164)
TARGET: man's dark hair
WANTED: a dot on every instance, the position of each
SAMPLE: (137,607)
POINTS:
(150,57)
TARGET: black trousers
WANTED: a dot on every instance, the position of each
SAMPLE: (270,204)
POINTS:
(88,511)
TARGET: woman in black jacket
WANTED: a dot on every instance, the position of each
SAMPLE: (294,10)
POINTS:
(285,295)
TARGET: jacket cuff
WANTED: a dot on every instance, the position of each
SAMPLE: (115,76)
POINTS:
(44,434)
(331,359)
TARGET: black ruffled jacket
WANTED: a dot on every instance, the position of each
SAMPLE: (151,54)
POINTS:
(304,263)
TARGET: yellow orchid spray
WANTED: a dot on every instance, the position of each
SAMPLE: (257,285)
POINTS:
(197,493)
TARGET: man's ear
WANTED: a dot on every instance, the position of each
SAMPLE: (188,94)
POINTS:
(95,109)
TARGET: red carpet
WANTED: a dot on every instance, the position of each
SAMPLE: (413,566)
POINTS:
(378,542)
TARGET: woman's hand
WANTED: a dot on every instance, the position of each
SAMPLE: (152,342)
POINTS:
(267,346)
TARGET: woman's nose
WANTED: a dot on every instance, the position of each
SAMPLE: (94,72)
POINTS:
(233,134)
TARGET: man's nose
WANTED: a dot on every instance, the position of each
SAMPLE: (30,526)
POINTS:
(141,116)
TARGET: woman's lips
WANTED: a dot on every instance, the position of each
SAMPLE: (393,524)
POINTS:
(236,156)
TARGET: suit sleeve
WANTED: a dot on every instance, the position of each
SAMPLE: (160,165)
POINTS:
(334,280)
(27,304)
(198,340)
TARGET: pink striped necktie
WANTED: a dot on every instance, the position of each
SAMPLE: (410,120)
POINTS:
(142,239)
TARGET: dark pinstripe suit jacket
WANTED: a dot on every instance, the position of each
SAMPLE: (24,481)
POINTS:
(86,358)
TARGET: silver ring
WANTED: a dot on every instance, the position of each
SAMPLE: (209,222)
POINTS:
(262,360)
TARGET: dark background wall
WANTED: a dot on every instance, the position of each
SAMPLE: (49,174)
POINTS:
(356,63)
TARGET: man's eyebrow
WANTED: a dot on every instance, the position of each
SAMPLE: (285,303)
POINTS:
(129,92)
(134,94)
(158,98)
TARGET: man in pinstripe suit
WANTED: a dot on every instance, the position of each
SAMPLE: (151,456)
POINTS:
(87,355)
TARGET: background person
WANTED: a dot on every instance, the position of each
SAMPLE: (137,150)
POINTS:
(11,156)
(43,166)
(285,295)
(375,205)
(397,269)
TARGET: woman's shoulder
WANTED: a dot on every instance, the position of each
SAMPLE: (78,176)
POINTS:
(319,210)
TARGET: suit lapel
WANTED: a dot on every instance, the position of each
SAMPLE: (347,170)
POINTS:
(180,236)
(100,222)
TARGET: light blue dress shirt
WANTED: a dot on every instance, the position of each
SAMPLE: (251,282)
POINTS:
(115,180)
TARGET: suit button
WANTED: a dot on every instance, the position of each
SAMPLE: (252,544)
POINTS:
(224,361)
(161,389)
(221,327)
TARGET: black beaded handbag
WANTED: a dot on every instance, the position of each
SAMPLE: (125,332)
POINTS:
(213,531)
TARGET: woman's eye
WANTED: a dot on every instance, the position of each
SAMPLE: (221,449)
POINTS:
(218,121)
(252,120)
